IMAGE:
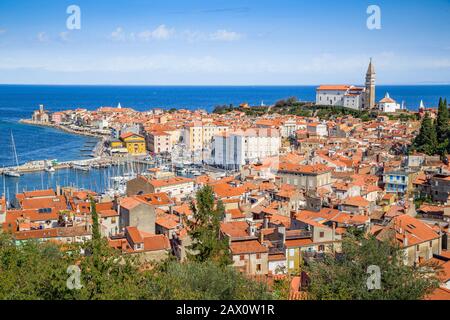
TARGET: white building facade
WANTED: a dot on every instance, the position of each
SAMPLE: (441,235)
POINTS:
(341,95)
(234,149)
(387,104)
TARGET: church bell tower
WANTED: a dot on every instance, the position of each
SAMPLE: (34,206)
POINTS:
(370,87)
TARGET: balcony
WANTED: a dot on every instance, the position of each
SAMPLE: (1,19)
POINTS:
(275,250)
(298,234)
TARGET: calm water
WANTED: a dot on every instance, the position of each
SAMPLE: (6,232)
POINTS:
(37,143)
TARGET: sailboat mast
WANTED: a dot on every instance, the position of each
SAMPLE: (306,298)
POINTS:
(14,149)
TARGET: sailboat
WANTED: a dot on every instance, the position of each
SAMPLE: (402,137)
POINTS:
(14,172)
(50,169)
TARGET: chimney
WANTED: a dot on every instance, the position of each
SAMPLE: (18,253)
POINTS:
(334,231)
(251,228)
(282,231)
(266,222)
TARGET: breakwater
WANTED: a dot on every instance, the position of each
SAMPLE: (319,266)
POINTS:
(78,130)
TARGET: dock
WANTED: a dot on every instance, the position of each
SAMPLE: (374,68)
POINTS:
(86,164)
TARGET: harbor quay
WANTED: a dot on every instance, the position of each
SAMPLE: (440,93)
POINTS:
(73,130)
(98,158)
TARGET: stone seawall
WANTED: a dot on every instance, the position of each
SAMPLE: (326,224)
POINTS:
(60,127)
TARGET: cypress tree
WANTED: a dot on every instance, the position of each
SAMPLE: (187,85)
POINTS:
(204,230)
(95,223)
(442,127)
(426,140)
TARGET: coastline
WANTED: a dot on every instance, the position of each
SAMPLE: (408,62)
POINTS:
(60,127)
(40,165)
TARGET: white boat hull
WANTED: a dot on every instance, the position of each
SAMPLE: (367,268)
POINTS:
(12,174)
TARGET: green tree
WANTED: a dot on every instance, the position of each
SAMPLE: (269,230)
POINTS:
(107,274)
(344,276)
(281,288)
(426,140)
(96,235)
(38,271)
(442,126)
(32,270)
(202,281)
(204,229)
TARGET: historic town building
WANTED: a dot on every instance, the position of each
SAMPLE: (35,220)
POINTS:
(349,96)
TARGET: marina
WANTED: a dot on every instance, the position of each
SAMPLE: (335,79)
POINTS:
(50,155)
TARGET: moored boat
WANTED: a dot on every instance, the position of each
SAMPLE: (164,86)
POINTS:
(11,173)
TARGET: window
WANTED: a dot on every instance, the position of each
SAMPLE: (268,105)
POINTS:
(242,257)
(321,234)
(258,267)
(291,252)
(321,248)
(291,264)
(258,256)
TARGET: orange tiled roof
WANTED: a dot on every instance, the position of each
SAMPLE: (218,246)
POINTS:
(356,202)
(439,294)
(294,243)
(249,246)
(408,231)
(334,87)
(134,234)
(311,169)
(235,229)
(130,202)
(169,182)
(157,199)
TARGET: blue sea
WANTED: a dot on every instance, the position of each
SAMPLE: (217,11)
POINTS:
(38,143)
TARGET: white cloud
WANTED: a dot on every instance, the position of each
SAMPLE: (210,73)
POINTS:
(234,68)
(64,36)
(160,33)
(219,35)
(225,35)
(118,34)
(42,37)
(194,36)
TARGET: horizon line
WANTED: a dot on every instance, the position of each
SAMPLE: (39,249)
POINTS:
(213,85)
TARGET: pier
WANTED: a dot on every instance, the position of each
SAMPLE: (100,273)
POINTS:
(83,165)
(69,129)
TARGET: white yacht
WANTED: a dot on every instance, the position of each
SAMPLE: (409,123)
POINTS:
(14,172)
(82,167)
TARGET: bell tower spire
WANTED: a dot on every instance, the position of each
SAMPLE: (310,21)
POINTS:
(370,86)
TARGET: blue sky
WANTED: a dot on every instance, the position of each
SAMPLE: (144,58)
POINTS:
(223,42)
